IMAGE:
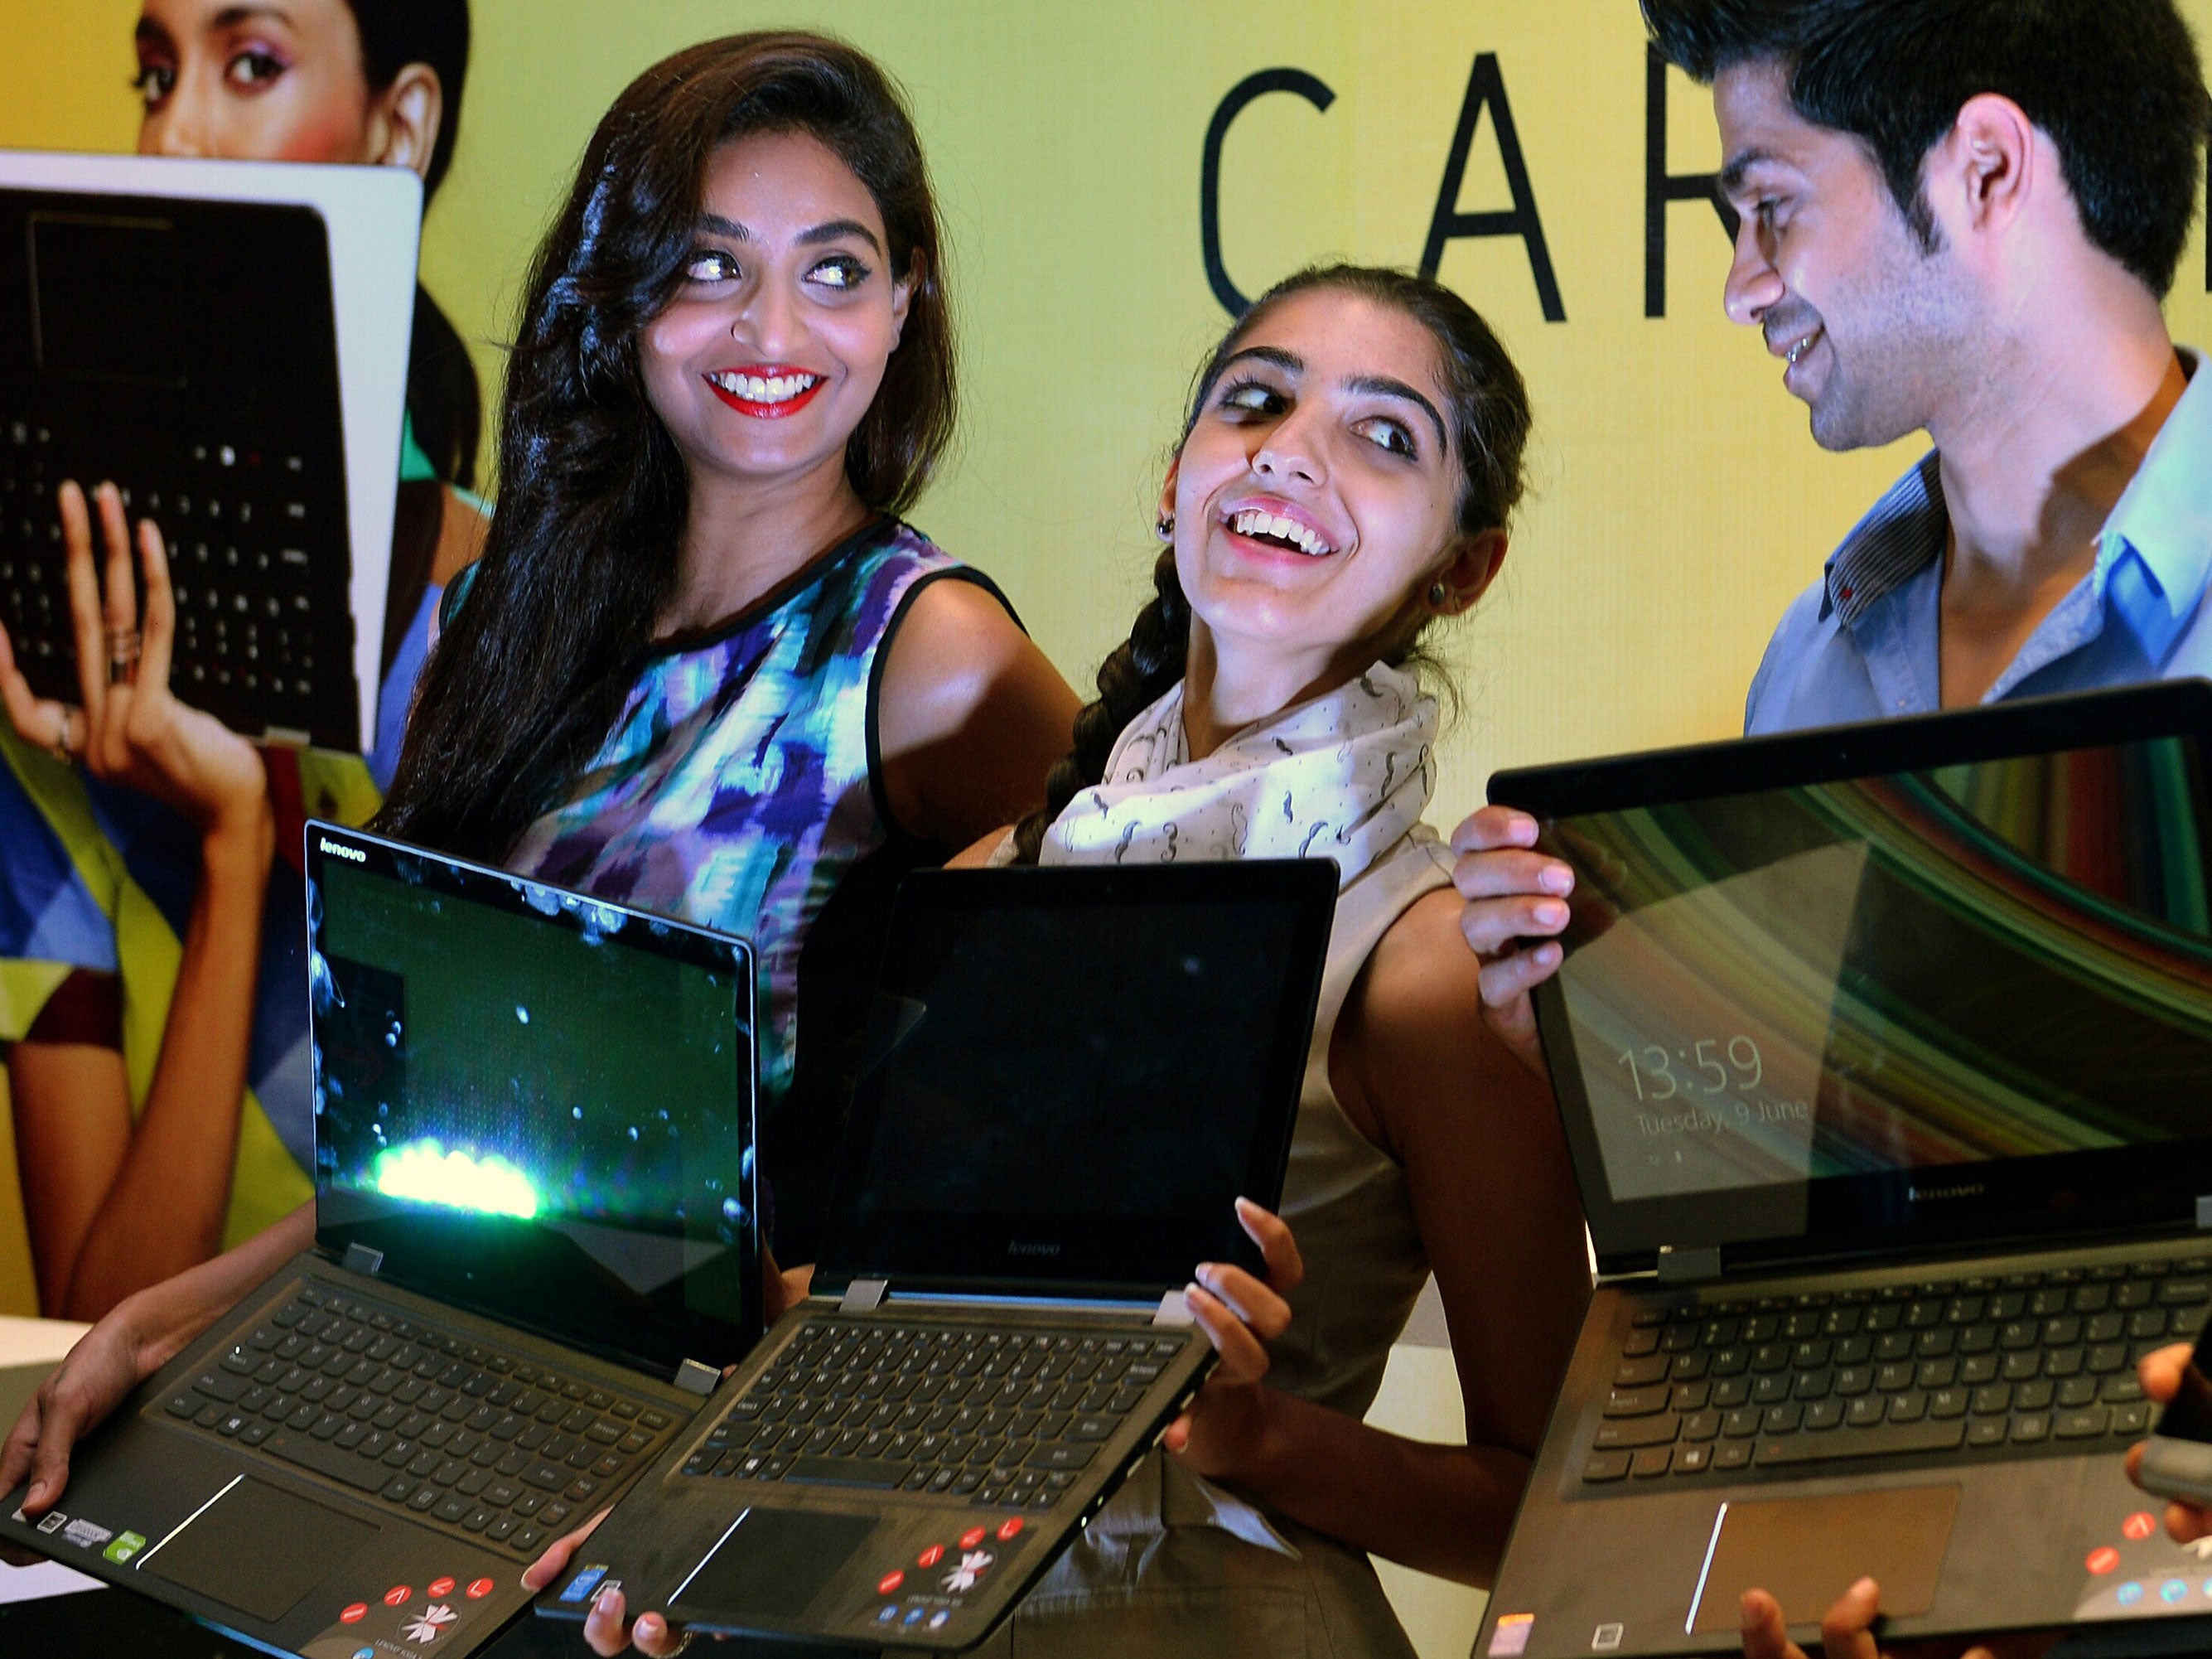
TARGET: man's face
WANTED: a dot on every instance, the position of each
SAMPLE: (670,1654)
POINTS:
(1872,325)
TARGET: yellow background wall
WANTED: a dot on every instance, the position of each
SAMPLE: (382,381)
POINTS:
(1679,503)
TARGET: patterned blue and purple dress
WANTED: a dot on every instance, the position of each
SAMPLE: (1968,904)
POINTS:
(741,789)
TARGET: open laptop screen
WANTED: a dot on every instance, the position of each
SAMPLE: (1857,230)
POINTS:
(1072,1073)
(533,1104)
(1895,999)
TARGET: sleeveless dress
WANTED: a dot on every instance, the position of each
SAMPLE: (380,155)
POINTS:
(741,789)
(1174,1564)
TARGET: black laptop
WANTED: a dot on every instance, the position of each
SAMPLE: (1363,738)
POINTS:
(226,341)
(536,1246)
(1072,1075)
(1884,1054)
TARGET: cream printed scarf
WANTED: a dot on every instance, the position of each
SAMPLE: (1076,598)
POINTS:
(1345,775)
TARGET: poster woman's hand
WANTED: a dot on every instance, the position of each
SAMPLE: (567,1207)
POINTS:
(128,727)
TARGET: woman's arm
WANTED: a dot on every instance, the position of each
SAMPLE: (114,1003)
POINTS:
(972,717)
(114,1207)
(141,1334)
(1420,1073)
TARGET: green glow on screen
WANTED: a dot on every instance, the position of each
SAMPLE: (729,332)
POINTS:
(425,1172)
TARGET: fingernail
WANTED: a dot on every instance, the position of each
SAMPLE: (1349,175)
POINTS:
(1866,1587)
(1206,1272)
(1549,914)
(1556,878)
(605,1602)
(649,1627)
(1548,956)
(37,1493)
(1193,1289)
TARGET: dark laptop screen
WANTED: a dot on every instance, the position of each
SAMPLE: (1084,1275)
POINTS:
(1902,989)
(1072,1073)
(535,1105)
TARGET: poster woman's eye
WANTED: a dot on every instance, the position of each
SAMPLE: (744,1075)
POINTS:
(154,83)
(254,68)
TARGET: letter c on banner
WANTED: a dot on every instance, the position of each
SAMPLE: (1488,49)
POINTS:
(1309,87)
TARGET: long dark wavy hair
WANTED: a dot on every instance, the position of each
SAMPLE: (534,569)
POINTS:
(444,404)
(581,558)
(1488,407)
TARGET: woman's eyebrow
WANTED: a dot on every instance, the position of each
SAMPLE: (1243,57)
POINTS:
(1382,385)
(715,223)
(836,230)
(1289,361)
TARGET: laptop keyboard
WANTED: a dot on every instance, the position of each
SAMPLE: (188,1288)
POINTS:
(1996,1365)
(999,1417)
(430,1421)
(238,560)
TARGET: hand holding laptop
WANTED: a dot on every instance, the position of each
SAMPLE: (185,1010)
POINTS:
(1847,1632)
(128,727)
(1514,896)
(2162,1380)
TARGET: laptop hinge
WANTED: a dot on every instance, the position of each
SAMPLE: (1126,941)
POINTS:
(695,1378)
(2204,1212)
(863,1296)
(1684,1267)
(1173,1310)
(360,1259)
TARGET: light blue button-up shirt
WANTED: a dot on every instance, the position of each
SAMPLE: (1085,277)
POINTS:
(1861,642)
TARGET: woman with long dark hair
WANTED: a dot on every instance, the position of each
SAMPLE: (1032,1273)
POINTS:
(703,666)
(159,1075)
(1344,484)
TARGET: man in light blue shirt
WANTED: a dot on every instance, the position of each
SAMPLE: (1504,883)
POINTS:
(1955,217)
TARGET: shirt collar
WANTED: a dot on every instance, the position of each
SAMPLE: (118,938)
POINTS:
(2164,518)
(1901,534)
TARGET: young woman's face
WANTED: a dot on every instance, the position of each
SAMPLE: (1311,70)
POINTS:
(767,359)
(276,81)
(1316,498)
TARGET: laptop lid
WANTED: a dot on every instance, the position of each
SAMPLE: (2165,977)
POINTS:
(1071,1073)
(533,1104)
(102,265)
(1886,988)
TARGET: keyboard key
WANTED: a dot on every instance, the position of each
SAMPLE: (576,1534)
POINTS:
(1925,1435)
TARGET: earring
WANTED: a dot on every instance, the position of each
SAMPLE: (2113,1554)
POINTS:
(1438,594)
(1165,528)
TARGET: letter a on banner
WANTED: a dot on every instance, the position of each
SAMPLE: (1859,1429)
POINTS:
(1486,88)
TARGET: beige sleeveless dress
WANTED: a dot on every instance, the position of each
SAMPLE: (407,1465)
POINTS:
(1174,1564)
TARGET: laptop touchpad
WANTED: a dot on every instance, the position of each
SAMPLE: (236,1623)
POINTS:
(259,1550)
(773,1563)
(1806,1552)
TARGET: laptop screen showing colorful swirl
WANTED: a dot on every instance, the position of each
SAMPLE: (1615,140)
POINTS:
(1923,972)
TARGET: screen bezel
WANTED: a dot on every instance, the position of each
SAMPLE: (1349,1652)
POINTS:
(1125,1258)
(2057,1196)
(418,1251)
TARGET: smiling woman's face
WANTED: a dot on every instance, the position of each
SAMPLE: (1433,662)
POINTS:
(278,82)
(768,355)
(1317,494)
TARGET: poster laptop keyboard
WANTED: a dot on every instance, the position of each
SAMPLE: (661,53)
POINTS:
(1999,1366)
(433,1422)
(253,643)
(1006,1417)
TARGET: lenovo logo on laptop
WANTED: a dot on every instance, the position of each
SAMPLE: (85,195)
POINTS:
(1028,1247)
(1964,1189)
(353,854)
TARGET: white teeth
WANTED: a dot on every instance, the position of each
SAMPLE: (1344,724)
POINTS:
(1253,522)
(766,389)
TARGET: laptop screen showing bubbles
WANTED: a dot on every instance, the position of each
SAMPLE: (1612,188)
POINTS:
(532,1104)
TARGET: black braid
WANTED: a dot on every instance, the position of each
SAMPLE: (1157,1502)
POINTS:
(1138,674)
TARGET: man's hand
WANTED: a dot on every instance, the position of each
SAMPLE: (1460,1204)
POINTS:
(1514,896)
(2162,1380)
